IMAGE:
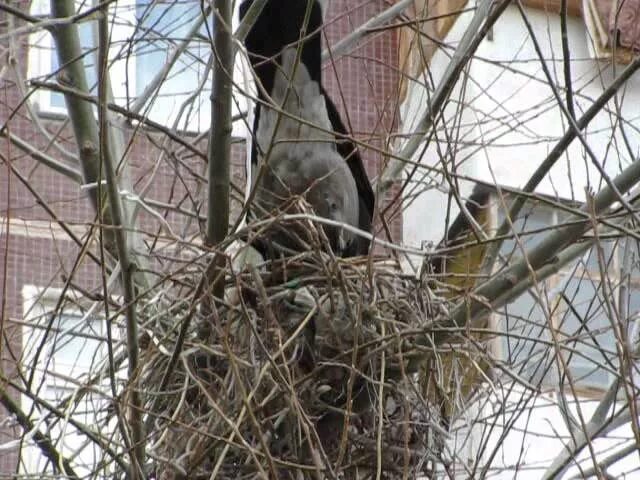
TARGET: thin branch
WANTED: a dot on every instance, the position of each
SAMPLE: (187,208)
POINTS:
(484,18)
(249,19)
(219,152)
(43,158)
(86,97)
(566,58)
(35,117)
(16,12)
(607,461)
(558,150)
(159,77)
(127,267)
(80,111)
(53,23)
(85,430)
(599,424)
(557,249)
(41,201)
(497,290)
(346,43)
(43,441)
(597,427)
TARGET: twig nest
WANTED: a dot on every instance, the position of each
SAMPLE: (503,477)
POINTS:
(294,376)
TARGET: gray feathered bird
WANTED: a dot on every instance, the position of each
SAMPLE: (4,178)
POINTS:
(300,157)
(298,23)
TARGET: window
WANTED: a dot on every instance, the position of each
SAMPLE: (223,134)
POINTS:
(525,344)
(144,35)
(74,348)
(575,304)
(43,61)
(184,95)
(47,59)
(584,327)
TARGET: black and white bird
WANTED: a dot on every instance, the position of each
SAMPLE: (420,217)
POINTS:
(284,47)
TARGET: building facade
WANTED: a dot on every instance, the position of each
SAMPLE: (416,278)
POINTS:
(505,115)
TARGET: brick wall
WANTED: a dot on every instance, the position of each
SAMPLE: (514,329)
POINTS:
(363,85)
(10,343)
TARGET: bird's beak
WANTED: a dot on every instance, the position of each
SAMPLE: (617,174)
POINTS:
(342,243)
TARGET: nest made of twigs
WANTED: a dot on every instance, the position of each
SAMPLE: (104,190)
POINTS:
(298,374)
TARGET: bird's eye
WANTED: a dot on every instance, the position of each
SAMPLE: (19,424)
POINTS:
(333,206)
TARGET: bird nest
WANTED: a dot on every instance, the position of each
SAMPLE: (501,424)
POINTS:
(299,373)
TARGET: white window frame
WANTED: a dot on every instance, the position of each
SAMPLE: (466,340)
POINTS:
(41,50)
(40,64)
(36,302)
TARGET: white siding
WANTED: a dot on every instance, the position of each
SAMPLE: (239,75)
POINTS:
(509,123)
(511,120)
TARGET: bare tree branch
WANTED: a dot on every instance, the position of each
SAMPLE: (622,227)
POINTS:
(42,440)
(45,159)
(559,149)
(176,52)
(487,13)
(219,152)
(249,19)
(547,257)
(127,266)
(79,111)
(348,42)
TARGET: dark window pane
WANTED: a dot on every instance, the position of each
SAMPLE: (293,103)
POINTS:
(629,257)
(161,27)
(592,260)
(532,225)
(587,334)
(525,343)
